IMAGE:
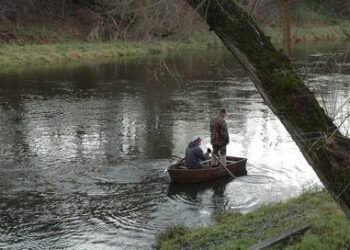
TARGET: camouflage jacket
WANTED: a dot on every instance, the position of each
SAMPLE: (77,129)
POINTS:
(218,132)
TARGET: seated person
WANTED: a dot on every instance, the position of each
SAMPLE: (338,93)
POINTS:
(194,154)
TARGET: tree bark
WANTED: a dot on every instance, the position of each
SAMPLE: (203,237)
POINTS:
(321,143)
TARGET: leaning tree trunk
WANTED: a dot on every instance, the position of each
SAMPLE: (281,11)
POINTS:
(324,147)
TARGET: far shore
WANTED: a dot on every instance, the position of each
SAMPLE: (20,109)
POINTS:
(27,54)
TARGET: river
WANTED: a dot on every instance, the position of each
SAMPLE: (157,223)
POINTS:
(83,148)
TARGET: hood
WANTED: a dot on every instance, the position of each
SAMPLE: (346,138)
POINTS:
(192,145)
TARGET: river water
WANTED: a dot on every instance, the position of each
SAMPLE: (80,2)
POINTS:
(83,148)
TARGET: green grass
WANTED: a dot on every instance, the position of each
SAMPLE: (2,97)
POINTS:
(54,53)
(330,229)
(23,54)
(313,33)
(36,54)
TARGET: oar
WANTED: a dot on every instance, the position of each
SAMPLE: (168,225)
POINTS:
(178,157)
(233,176)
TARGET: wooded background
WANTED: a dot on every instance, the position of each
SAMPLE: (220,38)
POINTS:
(154,19)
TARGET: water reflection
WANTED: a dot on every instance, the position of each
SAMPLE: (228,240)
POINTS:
(190,193)
(83,149)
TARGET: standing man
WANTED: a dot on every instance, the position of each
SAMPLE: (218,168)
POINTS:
(219,137)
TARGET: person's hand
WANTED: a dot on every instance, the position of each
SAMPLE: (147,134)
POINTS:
(208,150)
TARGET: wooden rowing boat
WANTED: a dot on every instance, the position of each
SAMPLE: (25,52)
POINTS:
(180,174)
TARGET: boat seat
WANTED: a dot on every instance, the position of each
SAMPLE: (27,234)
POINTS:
(181,167)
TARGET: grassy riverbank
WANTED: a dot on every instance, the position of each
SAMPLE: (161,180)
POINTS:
(14,54)
(73,51)
(33,54)
(330,228)
(313,33)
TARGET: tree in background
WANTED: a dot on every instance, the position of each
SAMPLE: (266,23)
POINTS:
(283,6)
(107,19)
(133,19)
(158,19)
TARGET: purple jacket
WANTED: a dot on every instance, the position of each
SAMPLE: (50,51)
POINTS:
(194,154)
